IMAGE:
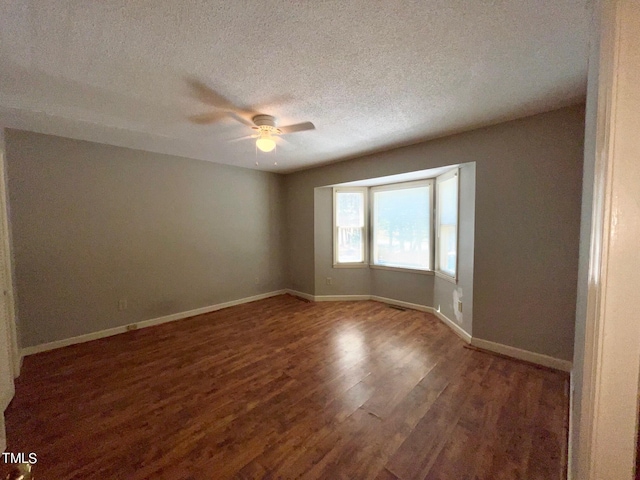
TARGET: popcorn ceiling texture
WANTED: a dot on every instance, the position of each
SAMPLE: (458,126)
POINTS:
(369,74)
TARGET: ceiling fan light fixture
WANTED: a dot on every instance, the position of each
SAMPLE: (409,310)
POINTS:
(266,143)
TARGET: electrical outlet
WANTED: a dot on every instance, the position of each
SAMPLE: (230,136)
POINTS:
(257,280)
(122,304)
(329,281)
(459,306)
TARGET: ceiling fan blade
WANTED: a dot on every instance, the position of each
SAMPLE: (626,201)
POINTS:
(209,96)
(298,127)
(242,119)
(207,118)
(246,137)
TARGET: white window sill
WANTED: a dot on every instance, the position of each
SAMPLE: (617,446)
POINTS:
(394,269)
(400,269)
(446,277)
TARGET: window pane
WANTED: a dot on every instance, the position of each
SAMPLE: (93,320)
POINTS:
(350,221)
(401,233)
(350,245)
(350,209)
(447,202)
(447,260)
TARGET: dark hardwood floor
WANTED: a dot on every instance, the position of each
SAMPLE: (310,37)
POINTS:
(282,388)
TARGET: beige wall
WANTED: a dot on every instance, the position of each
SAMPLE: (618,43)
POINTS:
(528,189)
(93,224)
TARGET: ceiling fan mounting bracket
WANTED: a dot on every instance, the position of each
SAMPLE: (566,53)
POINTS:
(265,124)
(264,120)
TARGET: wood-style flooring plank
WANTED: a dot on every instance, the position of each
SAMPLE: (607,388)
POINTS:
(283,389)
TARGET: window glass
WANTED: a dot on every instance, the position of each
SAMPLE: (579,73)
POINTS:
(447,201)
(401,227)
(349,228)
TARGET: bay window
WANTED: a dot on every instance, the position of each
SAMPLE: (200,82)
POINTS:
(402,226)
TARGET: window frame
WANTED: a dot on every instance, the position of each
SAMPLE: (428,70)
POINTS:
(365,228)
(455,172)
(430,182)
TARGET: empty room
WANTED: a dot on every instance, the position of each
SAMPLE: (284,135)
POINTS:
(332,240)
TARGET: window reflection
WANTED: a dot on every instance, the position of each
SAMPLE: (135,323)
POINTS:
(350,345)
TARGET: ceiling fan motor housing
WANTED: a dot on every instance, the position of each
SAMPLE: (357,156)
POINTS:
(265,123)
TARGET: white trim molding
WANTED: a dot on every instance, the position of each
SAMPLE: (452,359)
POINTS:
(306,296)
(400,303)
(341,298)
(457,329)
(526,355)
(143,324)
(606,417)
(509,351)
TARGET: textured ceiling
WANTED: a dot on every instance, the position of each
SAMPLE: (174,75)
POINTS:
(369,74)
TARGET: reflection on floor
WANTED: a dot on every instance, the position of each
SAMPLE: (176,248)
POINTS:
(282,388)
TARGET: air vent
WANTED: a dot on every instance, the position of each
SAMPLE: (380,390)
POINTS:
(396,307)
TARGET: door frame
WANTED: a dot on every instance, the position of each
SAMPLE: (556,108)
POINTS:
(16,357)
(611,369)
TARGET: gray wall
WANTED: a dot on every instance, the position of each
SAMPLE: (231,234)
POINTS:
(404,286)
(409,287)
(528,189)
(94,223)
(345,281)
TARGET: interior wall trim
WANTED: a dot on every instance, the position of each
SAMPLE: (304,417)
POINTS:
(526,355)
(457,329)
(513,352)
(143,324)
(341,298)
(537,358)
(306,296)
(400,303)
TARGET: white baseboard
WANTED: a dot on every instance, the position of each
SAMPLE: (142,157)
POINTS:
(400,303)
(306,296)
(390,301)
(514,352)
(457,329)
(526,355)
(537,358)
(143,324)
(341,298)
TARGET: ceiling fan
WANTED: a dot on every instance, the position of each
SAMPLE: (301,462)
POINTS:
(265,125)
